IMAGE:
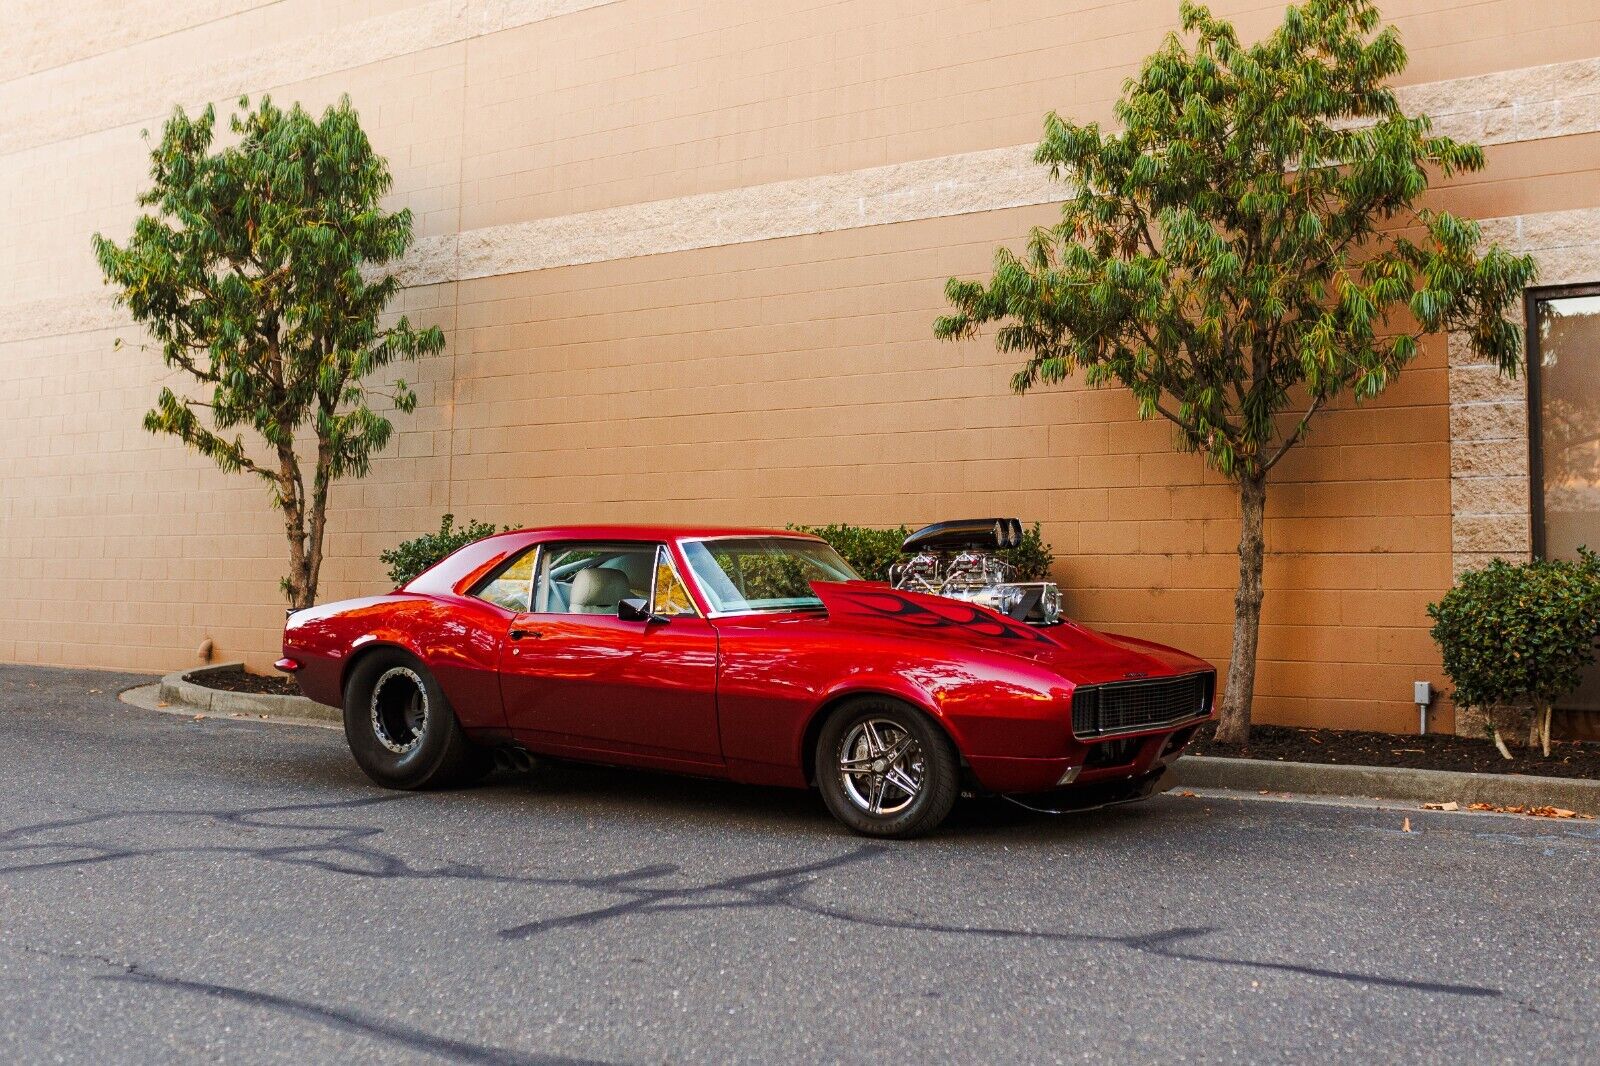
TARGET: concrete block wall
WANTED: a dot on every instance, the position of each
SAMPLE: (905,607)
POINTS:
(688,257)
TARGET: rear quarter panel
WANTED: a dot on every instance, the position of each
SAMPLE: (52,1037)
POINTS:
(458,638)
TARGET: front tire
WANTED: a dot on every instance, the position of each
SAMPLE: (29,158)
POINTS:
(401,729)
(885,769)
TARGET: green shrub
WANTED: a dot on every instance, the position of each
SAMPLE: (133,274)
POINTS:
(411,557)
(1520,633)
(1032,558)
(872,551)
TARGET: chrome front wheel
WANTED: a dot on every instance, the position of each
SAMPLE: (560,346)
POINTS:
(885,768)
(882,766)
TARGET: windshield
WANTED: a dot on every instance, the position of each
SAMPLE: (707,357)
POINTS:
(739,574)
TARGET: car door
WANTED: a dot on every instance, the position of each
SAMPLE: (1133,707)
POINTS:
(576,676)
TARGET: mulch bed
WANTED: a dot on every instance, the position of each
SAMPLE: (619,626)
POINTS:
(239,681)
(1435,751)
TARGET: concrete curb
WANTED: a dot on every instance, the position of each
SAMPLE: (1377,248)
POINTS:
(1433,786)
(177,688)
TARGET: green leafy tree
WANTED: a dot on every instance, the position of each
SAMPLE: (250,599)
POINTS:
(257,274)
(1249,248)
(1520,633)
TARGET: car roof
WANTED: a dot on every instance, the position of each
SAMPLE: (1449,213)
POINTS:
(471,562)
(641,531)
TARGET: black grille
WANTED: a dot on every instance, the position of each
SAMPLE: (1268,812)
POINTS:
(1129,706)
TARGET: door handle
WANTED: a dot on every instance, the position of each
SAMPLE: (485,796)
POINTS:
(518,634)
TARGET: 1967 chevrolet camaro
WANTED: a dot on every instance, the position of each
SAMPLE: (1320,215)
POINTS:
(755,656)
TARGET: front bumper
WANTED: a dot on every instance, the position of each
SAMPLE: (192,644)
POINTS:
(1079,798)
(1107,762)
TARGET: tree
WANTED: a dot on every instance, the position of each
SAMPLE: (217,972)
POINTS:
(1248,249)
(256,273)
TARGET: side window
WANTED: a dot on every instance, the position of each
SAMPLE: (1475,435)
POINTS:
(671,597)
(592,578)
(512,587)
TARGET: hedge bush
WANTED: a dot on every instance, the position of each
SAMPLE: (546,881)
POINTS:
(1520,633)
(411,557)
(872,551)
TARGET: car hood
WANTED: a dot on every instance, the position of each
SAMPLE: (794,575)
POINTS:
(1078,653)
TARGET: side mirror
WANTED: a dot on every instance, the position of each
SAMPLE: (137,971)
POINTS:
(637,610)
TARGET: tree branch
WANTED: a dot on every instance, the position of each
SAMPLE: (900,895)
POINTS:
(1299,431)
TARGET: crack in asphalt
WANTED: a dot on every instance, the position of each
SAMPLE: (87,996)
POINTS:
(785,887)
(349,850)
(348,1020)
(408,1037)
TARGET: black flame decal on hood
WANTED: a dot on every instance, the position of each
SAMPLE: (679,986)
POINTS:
(917,610)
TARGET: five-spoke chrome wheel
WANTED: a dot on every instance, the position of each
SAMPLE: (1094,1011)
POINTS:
(399,709)
(882,766)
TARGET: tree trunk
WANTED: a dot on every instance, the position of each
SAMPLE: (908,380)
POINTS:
(1234,724)
(299,586)
(317,519)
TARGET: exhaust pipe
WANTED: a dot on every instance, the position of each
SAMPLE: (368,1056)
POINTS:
(518,760)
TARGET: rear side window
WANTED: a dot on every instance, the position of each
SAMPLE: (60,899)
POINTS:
(512,587)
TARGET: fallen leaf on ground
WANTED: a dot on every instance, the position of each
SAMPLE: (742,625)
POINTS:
(1405,827)
(198,717)
(1189,794)
(1534,812)
(1451,806)
(163,703)
(1265,792)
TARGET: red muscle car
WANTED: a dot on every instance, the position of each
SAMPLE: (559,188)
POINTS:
(745,654)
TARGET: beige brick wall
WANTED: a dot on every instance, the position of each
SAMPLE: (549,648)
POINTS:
(701,247)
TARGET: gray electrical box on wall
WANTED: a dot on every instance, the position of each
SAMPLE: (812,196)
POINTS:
(1422,695)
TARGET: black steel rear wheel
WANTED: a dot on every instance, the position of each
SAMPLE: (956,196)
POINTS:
(401,729)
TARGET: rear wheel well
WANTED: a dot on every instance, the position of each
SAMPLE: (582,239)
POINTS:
(361,655)
(808,742)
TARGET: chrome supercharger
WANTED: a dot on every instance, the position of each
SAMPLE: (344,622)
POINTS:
(958,560)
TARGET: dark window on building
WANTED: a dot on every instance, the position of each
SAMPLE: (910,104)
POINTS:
(1564,420)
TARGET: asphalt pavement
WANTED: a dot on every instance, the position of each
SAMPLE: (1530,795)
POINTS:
(228,890)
